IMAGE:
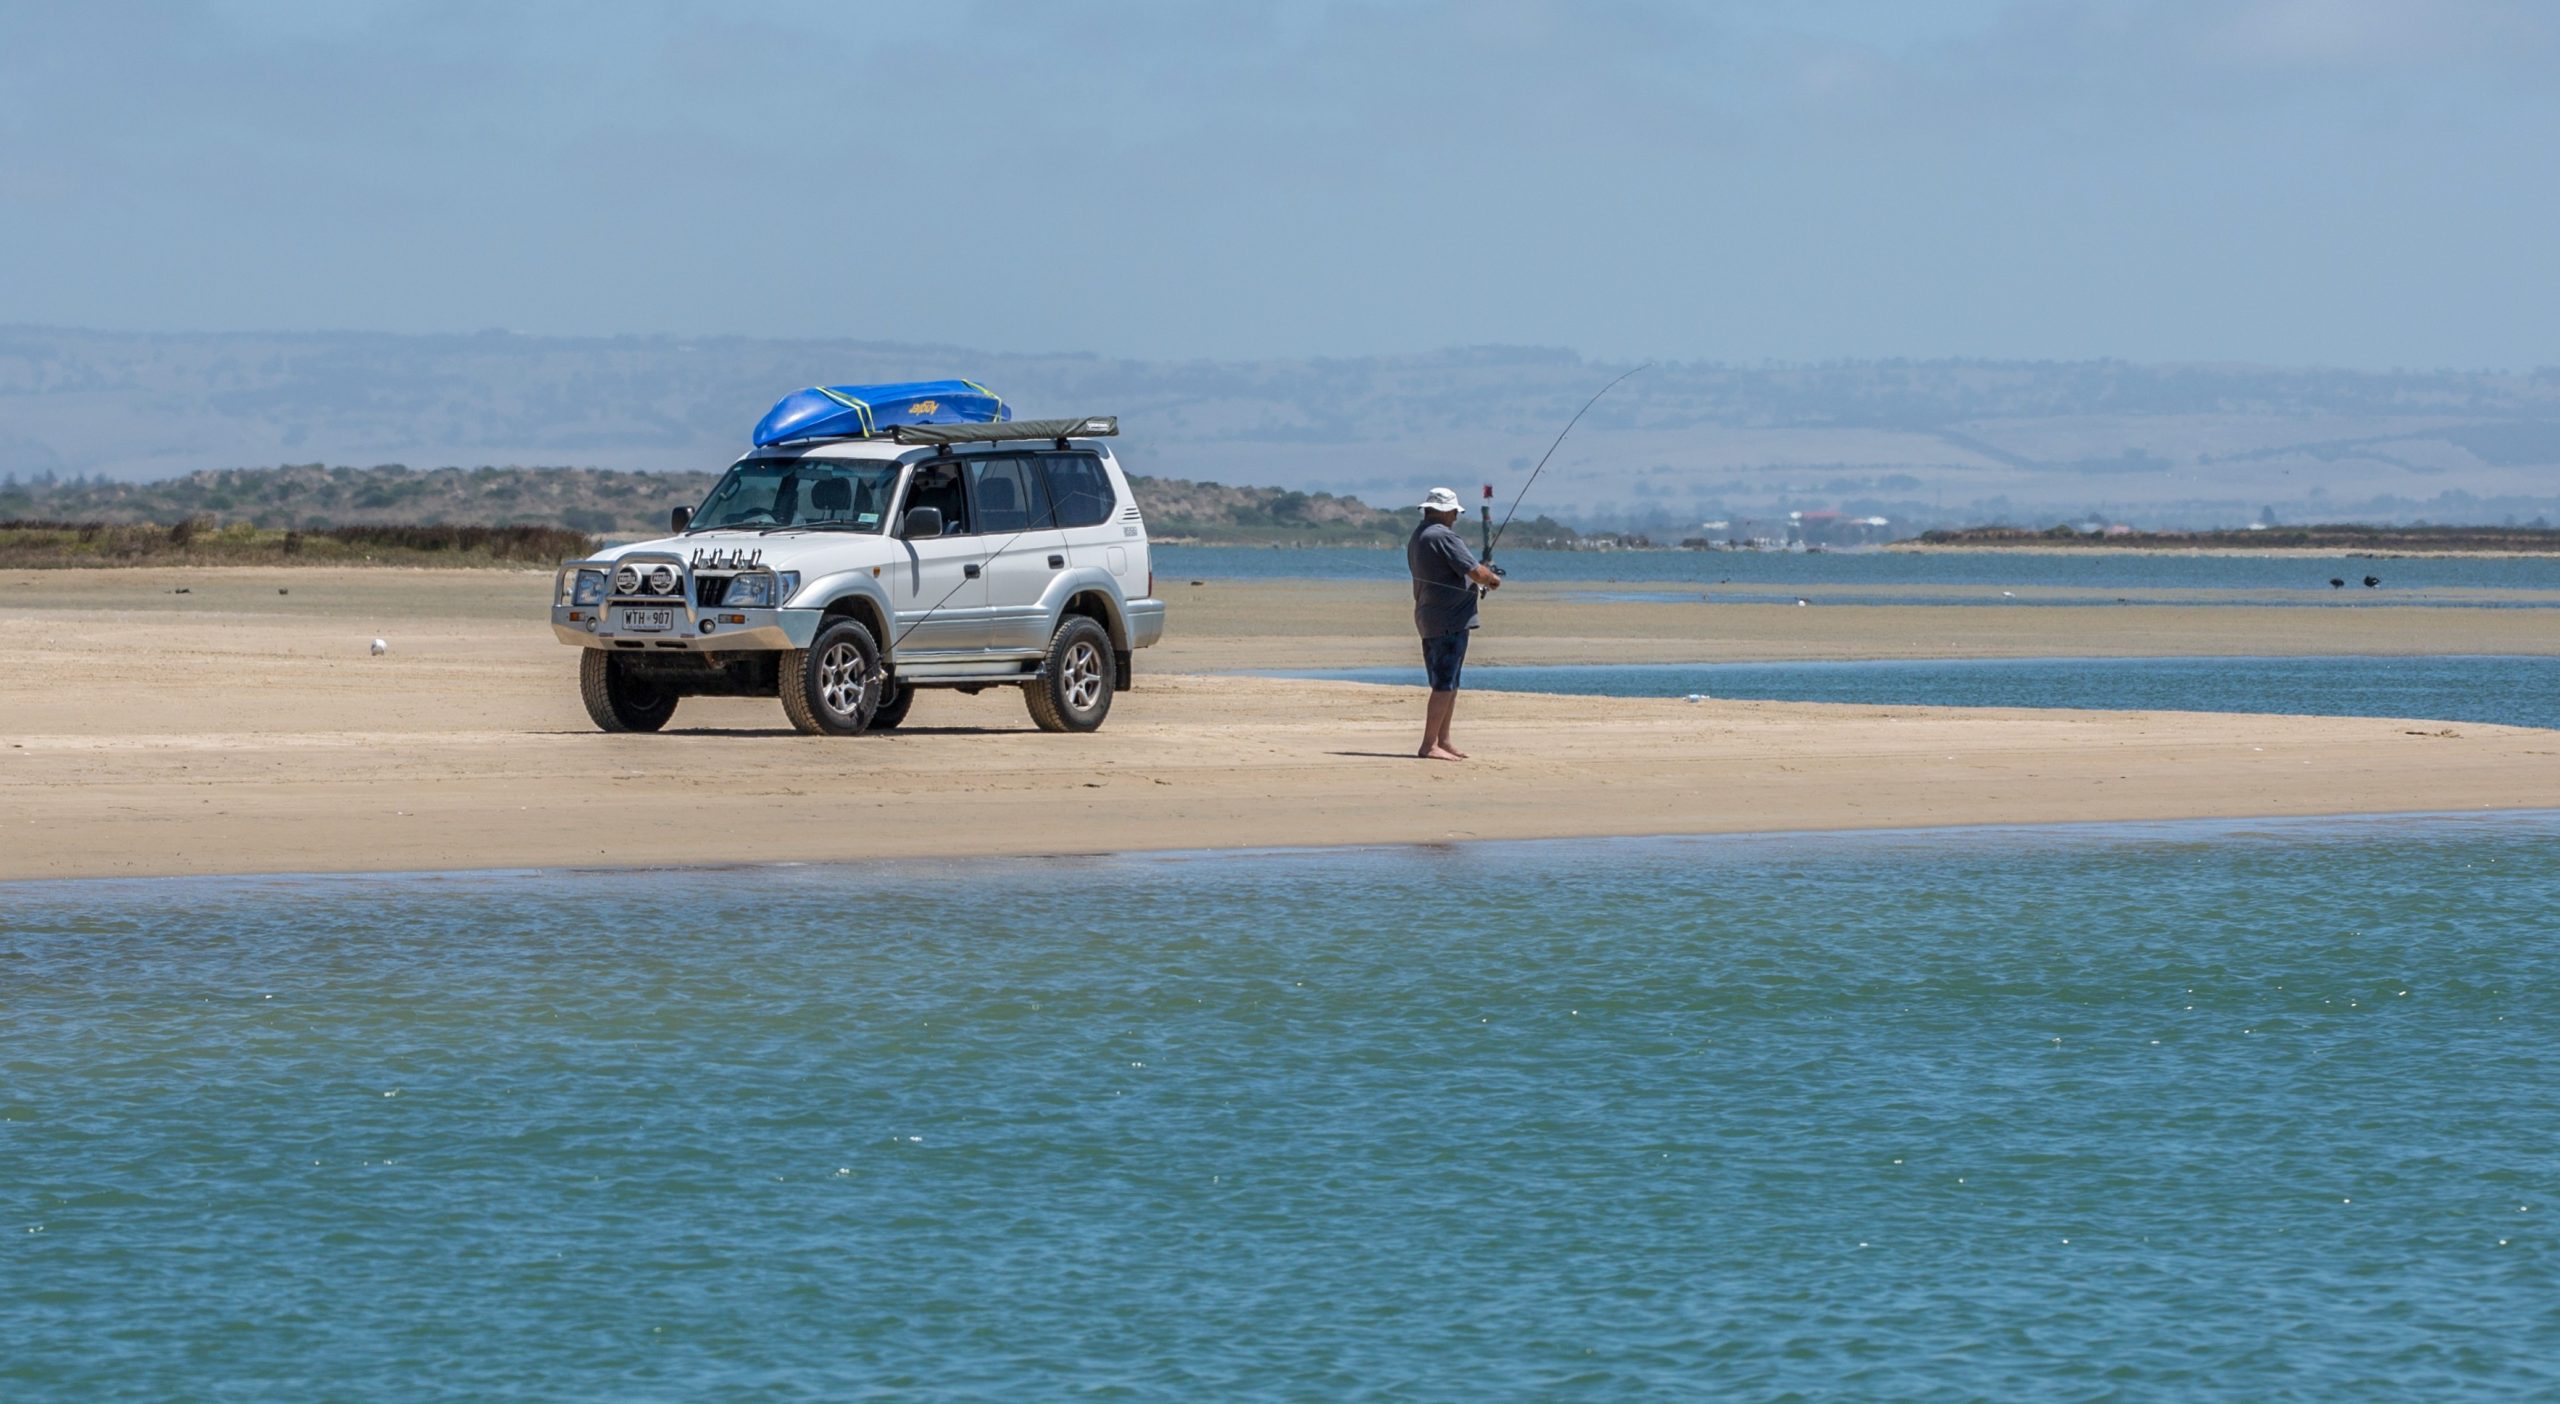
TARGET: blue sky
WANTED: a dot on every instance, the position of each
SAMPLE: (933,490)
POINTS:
(2348,182)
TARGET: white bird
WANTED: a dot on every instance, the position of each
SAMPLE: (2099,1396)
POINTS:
(380,648)
(2008,594)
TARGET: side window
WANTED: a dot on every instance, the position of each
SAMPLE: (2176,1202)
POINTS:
(937,484)
(1079,487)
(1009,494)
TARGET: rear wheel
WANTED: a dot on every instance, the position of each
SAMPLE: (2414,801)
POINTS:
(618,696)
(832,687)
(1073,691)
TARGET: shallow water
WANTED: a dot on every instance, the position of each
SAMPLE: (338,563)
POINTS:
(2245,1111)
(2048,596)
(2104,574)
(2510,691)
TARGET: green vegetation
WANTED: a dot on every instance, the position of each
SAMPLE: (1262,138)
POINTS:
(198,541)
(402,515)
(2326,537)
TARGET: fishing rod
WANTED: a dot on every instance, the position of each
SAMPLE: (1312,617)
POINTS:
(1496,538)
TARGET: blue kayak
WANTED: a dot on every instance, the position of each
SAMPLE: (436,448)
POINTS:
(861,411)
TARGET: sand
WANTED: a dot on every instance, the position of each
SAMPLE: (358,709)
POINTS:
(236,729)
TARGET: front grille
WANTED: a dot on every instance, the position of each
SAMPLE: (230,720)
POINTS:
(709,590)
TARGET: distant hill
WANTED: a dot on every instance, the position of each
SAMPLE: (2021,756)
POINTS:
(311,497)
(1919,442)
(2346,538)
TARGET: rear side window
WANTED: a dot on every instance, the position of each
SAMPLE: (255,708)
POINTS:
(1079,487)
(1009,494)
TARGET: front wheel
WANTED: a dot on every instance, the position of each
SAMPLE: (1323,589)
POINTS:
(618,697)
(895,699)
(832,687)
(1073,691)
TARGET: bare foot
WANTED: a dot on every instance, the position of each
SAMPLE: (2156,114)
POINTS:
(1453,750)
(1442,753)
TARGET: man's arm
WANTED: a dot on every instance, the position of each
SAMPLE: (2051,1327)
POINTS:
(1453,553)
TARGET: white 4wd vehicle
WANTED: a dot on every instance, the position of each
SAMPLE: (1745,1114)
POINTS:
(843,575)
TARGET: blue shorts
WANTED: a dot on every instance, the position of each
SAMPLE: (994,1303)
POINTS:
(1444,656)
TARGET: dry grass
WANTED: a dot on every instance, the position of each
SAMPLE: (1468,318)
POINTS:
(197,541)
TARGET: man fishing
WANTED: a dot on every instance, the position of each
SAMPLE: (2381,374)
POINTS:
(1445,577)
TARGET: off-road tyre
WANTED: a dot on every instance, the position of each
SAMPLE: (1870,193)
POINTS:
(618,698)
(832,687)
(895,698)
(1073,691)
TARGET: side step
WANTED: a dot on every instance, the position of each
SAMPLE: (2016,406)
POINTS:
(936,675)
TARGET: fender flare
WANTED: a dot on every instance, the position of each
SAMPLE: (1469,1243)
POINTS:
(1089,580)
(829,593)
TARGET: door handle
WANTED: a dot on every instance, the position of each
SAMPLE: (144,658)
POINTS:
(970,571)
(1057,563)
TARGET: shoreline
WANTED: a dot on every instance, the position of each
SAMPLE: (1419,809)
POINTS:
(2334,553)
(2058,830)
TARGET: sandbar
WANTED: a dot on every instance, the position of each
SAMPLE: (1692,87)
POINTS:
(243,726)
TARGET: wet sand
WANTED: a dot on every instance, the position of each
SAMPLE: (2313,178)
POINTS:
(235,729)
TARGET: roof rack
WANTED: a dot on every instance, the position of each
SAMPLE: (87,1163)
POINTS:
(1097,427)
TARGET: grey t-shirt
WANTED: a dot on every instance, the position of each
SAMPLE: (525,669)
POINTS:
(1444,600)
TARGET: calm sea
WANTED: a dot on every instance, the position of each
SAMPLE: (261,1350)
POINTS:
(2102,574)
(2512,691)
(2231,1111)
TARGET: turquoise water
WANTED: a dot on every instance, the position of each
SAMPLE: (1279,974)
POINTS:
(2236,1111)
(2512,691)
(2303,580)
(2047,596)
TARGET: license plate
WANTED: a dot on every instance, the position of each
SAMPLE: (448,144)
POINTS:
(648,621)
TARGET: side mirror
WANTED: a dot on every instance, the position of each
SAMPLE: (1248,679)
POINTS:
(921,522)
(680,518)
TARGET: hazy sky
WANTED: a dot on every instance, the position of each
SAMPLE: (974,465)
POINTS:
(2353,182)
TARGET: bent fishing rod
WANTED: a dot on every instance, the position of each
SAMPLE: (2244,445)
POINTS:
(1496,539)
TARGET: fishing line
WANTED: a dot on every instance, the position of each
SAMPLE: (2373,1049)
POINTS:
(1051,524)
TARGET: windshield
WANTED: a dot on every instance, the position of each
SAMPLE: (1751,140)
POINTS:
(808,494)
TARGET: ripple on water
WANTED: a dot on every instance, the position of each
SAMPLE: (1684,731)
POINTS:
(2243,1109)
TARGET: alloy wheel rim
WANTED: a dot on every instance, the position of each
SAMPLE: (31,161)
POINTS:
(1083,676)
(844,675)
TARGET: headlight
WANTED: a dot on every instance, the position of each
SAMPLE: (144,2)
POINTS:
(662,581)
(626,581)
(588,589)
(753,590)
(790,586)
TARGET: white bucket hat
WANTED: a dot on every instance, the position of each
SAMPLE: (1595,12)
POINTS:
(1443,500)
